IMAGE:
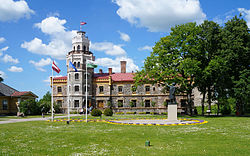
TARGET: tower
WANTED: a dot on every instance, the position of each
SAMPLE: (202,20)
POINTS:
(76,80)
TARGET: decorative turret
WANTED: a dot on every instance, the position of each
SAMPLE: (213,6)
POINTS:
(80,42)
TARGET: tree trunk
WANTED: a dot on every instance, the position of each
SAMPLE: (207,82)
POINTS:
(189,94)
(209,98)
(202,103)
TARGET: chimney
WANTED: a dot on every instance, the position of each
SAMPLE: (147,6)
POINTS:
(123,66)
(110,71)
(100,71)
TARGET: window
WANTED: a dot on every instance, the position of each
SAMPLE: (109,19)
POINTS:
(5,104)
(74,48)
(101,89)
(78,47)
(133,89)
(120,103)
(78,64)
(76,103)
(147,103)
(153,88)
(59,89)
(133,103)
(147,88)
(75,64)
(120,89)
(183,103)
(76,88)
(76,76)
(59,102)
(84,48)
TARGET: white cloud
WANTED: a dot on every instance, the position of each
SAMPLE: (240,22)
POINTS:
(3,49)
(123,36)
(3,75)
(7,58)
(246,14)
(109,48)
(60,42)
(115,63)
(43,62)
(13,10)
(2,39)
(15,69)
(160,15)
(146,48)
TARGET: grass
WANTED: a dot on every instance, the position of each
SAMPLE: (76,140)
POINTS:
(4,118)
(220,136)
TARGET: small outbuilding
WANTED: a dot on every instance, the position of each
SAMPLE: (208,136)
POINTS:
(10,99)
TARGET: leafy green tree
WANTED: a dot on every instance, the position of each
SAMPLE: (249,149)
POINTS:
(1,79)
(172,61)
(45,102)
(236,53)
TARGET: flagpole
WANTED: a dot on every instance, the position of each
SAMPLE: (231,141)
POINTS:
(68,98)
(52,107)
(86,93)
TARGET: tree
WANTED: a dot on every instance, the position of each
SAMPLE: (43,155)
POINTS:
(172,61)
(236,53)
(1,79)
(45,102)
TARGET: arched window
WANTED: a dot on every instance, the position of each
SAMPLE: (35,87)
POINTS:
(78,47)
(75,64)
(84,48)
(74,48)
(76,76)
(78,64)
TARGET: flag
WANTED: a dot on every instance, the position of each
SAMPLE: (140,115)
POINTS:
(91,64)
(71,64)
(82,23)
(55,68)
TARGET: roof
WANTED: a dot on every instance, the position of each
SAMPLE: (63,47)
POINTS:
(23,93)
(60,78)
(116,76)
(6,90)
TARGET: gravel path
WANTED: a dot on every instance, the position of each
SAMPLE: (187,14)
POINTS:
(32,119)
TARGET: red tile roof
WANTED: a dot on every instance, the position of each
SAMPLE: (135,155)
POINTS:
(19,93)
(60,78)
(115,76)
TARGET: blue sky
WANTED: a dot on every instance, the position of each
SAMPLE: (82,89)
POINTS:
(33,33)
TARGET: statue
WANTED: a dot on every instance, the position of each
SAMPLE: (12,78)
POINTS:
(172,93)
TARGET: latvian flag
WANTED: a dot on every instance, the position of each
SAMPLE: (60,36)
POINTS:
(82,23)
(55,68)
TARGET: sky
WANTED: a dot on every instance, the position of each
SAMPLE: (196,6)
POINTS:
(33,33)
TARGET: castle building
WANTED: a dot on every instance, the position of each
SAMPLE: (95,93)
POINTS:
(105,89)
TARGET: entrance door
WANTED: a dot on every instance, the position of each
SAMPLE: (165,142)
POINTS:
(100,104)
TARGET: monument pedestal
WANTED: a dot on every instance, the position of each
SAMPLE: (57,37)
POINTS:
(172,112)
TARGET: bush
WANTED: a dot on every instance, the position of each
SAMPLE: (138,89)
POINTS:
(226,110)
(142,112)
(108,112)
(96,112)
(153,113)
(119,113)
(164,113)
(30,107)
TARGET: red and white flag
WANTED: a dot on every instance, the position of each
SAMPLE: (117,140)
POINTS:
(82,23)
(55,68)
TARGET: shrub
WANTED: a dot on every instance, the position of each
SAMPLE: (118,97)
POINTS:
(108,112)
(119,113)
(96,112)
(153,113)
(30,107)
(131,113)
(142,112)
(164,113)
(226,110)
(165,103)
(109,104)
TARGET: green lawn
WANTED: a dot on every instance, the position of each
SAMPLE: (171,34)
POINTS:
(220,136)
(4,118)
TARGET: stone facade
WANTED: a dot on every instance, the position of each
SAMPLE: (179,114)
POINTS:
(105,89)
